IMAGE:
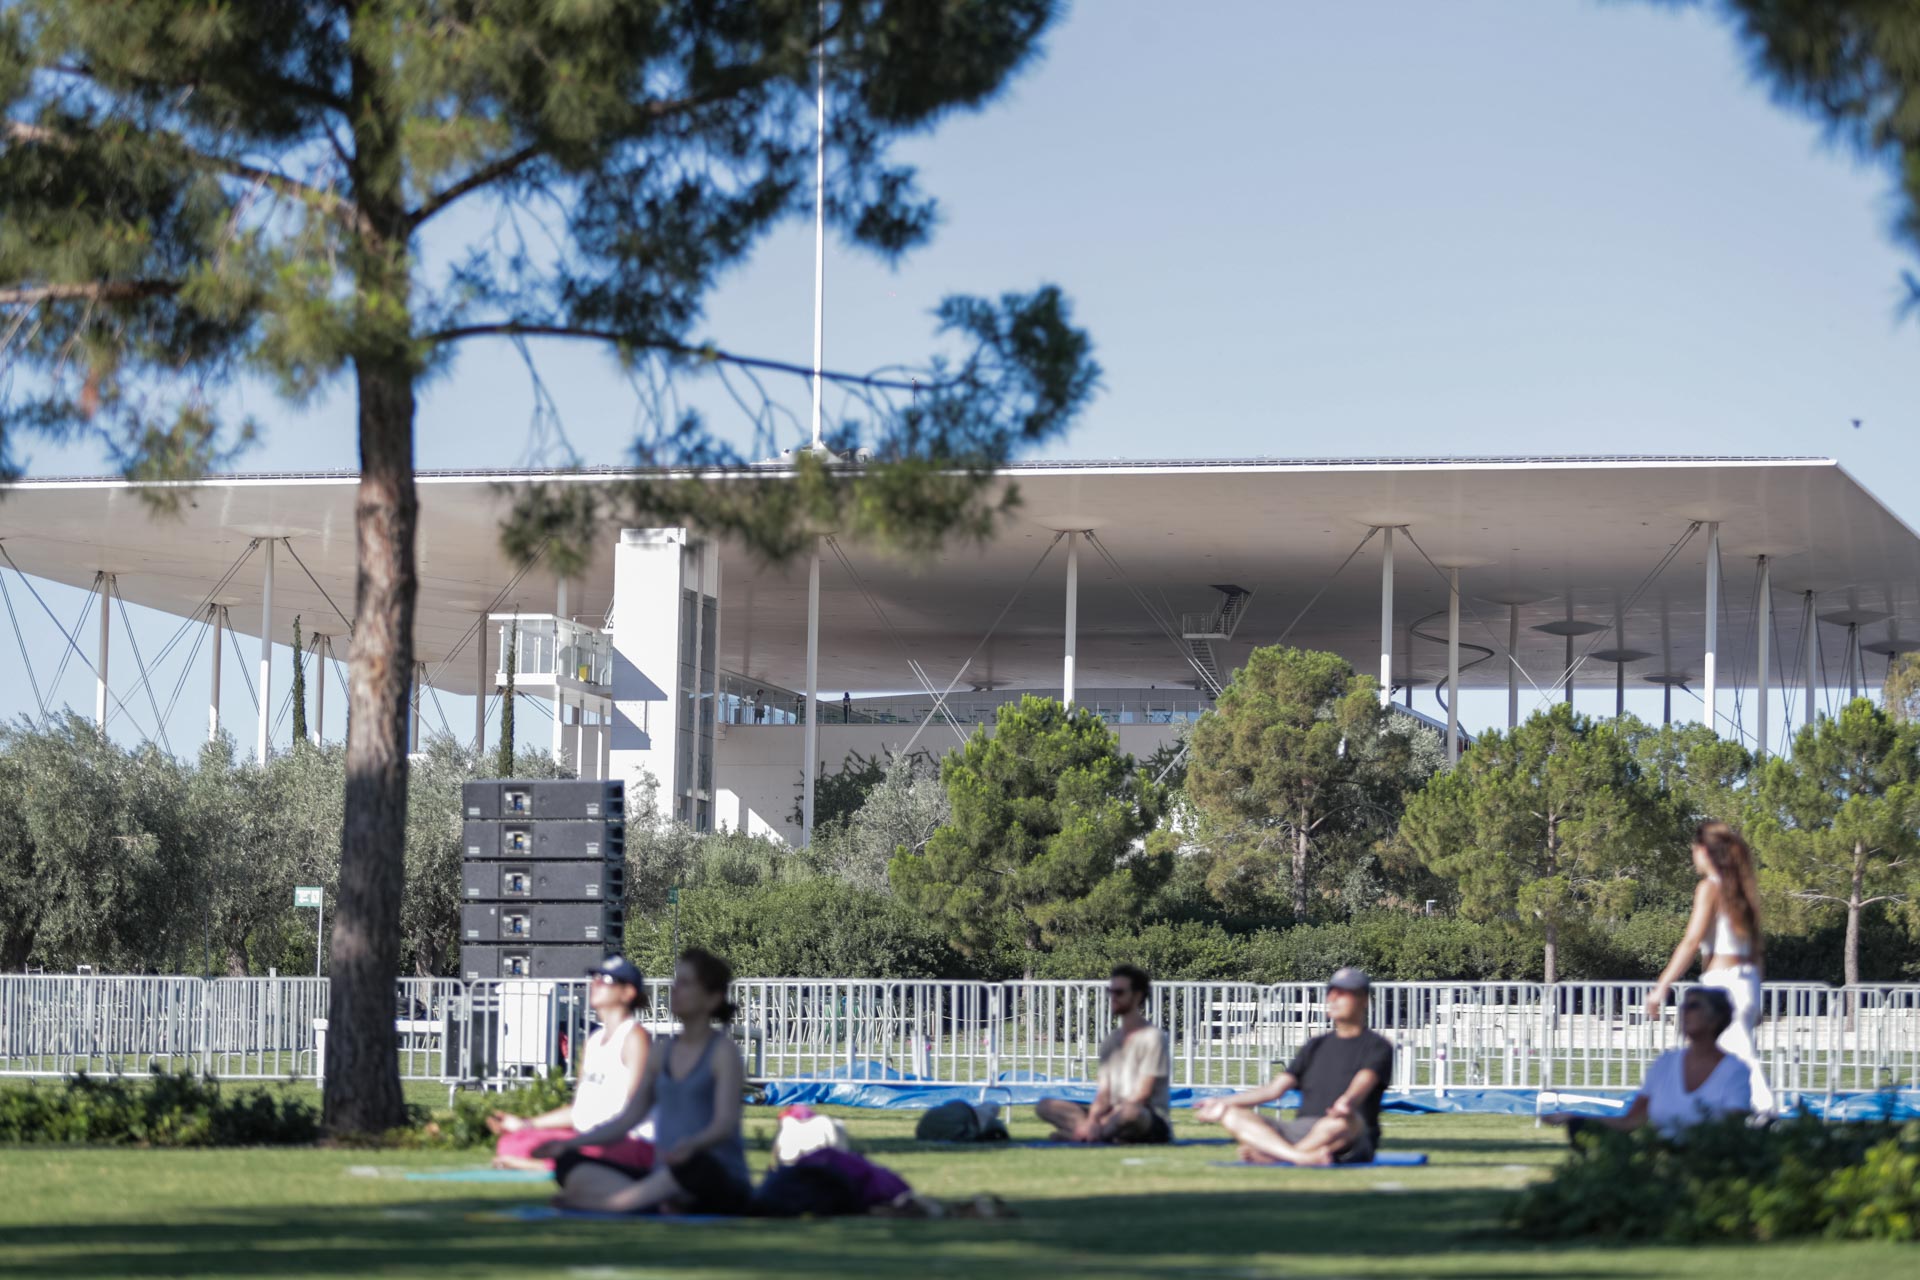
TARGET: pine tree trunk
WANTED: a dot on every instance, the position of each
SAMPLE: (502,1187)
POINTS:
(1300,874)
(1553,952)
(1851,959)
(363,1070)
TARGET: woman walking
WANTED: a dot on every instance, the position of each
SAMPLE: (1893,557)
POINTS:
(1724,931)
(692,1087)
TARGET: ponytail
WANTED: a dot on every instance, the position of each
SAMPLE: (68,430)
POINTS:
(716,975)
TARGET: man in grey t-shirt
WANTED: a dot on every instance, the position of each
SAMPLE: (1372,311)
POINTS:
(1131,1104)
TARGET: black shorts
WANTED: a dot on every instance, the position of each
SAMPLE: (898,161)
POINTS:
(709,1187)
(1359,1151)
(1156,1130)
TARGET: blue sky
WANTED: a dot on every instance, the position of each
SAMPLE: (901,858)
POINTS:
(1390,228)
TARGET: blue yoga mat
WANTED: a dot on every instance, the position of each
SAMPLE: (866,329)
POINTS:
(1381,1160)
(1048,1145)
(481,1175)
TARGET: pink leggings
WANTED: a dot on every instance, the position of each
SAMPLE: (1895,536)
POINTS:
(629,1153)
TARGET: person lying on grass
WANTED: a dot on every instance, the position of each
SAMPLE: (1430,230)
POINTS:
(611,1066)
(692,1086)
(1132,1102)
(1685,1086)
(1341,1076)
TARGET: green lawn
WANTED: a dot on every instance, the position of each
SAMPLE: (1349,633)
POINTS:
(68,1212)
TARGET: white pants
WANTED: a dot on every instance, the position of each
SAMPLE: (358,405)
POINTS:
(1742,985)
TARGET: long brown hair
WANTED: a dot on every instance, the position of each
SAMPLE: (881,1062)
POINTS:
(1739,893)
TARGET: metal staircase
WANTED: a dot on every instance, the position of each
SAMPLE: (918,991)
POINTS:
(1200,630)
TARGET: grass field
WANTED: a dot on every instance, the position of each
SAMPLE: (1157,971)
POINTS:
(67,1212)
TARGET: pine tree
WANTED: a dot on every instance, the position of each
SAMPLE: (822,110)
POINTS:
(1549,825)
(1836,819)
(199,193)
(1298,753)
(503,762)
(1040,842)
(299,687)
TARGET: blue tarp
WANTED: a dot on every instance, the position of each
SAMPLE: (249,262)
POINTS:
(875,1085)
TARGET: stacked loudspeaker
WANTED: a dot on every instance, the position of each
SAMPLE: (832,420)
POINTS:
(543,877)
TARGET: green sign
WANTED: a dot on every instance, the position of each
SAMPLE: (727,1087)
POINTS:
(673,895)
(306,895)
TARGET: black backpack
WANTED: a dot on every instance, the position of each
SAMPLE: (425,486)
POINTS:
(957,1121)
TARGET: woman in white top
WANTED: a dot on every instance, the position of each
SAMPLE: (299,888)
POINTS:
(1685,1087)
(612,1063)
(1724,931)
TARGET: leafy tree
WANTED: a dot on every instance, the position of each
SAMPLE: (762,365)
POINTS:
(299,687)
(900,814)
(197,194)
(1838,816)
(92,863)
(837,796)
(1296,753)
(1902,691)
(1550,824)
(1047,818)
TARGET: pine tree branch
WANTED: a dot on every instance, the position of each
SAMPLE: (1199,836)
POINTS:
(519,329)
(487,174)
(319,198)
(91,291)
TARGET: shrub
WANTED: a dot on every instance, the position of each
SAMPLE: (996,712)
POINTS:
(161,1110)
(467,1126)
(1185,952)
(814,927)
(1730,1181)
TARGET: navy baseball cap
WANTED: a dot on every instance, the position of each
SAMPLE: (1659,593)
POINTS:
(617,969)
(1351,979)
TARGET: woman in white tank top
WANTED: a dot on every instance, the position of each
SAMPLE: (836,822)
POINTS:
(1724,930)
(612,1062)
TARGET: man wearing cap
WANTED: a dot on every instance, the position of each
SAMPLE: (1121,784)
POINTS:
(611,1065)
(1341,1076)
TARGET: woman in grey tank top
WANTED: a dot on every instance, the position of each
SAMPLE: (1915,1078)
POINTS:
(693,1086)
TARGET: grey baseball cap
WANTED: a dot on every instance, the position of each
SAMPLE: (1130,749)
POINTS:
(1351,979)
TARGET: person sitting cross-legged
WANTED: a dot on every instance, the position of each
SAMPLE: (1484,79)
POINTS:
(1131,1104)
(1341,1076)
(1695,1084)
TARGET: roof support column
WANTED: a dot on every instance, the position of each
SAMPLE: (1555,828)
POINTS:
(559,744)
(214,616)
(1811,623)
(1763,619)
(1566,695)
(1513,666)
(263,738)
(413,721)
(1073,613)
(103,589)
(1709,686)
(482,681)
(1386,616)
(321,648)
(1453,666)
(810,731)
(1854,665)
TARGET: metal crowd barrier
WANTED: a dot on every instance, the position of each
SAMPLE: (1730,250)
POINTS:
(1574,1036)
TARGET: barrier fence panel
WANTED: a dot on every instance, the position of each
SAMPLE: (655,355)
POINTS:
(1570,1037)
(265,1028)
(100,1024)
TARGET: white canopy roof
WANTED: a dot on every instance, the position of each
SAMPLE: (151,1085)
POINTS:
(1565,537)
